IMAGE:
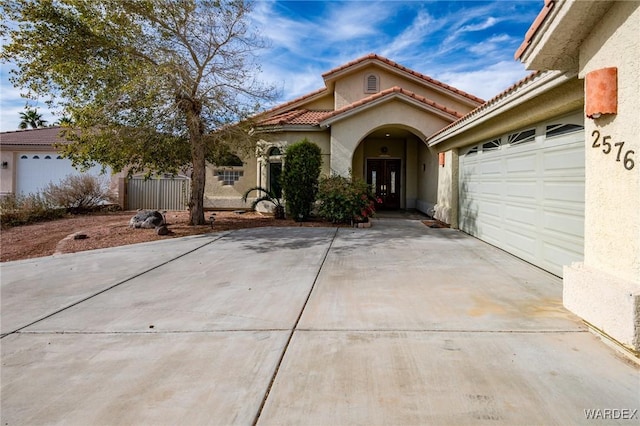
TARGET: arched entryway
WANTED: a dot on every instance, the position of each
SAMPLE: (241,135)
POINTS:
(399,166)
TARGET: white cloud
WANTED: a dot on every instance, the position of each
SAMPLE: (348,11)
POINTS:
(487,82)
(488,23)
(492,44)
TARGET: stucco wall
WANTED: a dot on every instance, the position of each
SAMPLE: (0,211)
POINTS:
(446,210)
(605,288)
(220,196)
(613,192)
(350,89)
(7,175)
(427,173)
(347,134)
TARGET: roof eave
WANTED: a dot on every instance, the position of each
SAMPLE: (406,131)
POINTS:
(385,99)
(540,84)
(553,40)
(290,128)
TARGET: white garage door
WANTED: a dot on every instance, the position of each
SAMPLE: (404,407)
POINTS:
(524,193)
(36,169)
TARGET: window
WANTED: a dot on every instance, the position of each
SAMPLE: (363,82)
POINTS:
(492,145)
(24,157)
(59,157)
(561,129)
(371,83)
(275,171)
(274,151)
(522,137)
(35,157)
(473,150)
(229,177)
(48,157)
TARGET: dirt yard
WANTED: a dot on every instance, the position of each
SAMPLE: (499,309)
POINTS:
(112,229)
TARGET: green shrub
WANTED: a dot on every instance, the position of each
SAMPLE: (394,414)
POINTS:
(21,209)
(344,200)
(79,193)
(300,175)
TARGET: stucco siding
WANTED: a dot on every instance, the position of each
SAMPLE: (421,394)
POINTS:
(347,134)
(7,174)
(613,212)
(351,89)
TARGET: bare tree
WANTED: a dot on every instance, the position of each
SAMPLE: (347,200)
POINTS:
(152,85)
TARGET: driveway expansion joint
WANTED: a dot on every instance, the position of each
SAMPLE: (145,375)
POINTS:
(71,305)
(293,330)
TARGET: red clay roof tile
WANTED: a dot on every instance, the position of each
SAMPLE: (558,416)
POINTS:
(533,29)
(489,103)
(373,56)
(387,92)
(296,117)
(43,136)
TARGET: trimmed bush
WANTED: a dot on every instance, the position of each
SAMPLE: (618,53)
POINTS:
(79,193)
(300,175)
(345,200)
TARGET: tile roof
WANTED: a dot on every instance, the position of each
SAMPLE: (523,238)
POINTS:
(373,56)
(391,91)
(296,117)
(489,103)
(548,5)
(43,136)
(294,101)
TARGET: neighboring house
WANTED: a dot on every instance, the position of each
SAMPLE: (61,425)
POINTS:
(29,161)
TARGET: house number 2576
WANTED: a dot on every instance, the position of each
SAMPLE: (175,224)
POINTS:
(617,147)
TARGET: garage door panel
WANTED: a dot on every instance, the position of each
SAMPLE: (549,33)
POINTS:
(521,163)
(565,160)
(563,191)
(490,210)
(533,206)
(519,215)
(521,242)
(491,167)
(564,223)
(525,189)
(490,188)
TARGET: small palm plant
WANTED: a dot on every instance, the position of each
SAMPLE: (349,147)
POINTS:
(268,196)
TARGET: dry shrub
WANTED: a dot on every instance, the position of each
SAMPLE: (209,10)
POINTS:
(79,193)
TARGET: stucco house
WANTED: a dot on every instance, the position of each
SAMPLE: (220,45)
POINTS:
(547,170)
(370,120)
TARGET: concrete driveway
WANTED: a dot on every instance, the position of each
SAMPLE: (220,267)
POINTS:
(396,324)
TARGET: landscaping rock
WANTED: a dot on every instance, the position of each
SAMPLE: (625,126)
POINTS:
(148,219)
(162,230)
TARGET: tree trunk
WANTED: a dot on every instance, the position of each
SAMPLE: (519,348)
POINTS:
(198,174)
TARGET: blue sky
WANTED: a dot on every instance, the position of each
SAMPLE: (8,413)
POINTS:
(466,44)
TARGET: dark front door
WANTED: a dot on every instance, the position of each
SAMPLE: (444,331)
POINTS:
(384,177)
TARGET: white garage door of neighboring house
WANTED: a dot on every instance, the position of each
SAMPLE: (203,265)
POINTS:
(35,170)
(524,193)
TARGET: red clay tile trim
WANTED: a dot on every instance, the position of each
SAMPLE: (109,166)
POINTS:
(487,104)
(601,95)
(548,5)
(387,92)
(296,117)
(294,101)
(373,56)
